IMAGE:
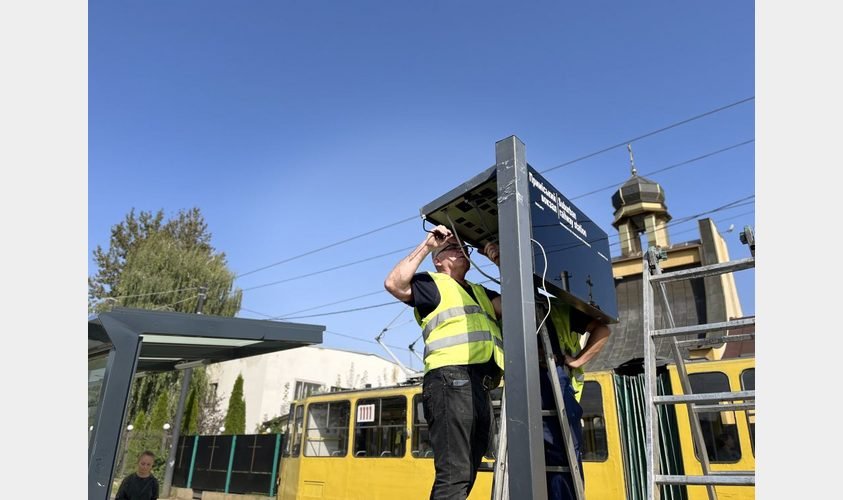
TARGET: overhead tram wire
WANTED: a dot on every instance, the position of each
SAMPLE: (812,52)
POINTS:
(364,340)
(346,310)
(363,308)
(408,219)
(149,294)
(284,316)
(648,134)
(311,252)
(329,269)
(280,316)
(676,165)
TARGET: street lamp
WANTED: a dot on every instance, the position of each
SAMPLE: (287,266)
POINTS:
(166,427)
(126,450)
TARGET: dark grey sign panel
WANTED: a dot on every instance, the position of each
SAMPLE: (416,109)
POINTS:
(579,263)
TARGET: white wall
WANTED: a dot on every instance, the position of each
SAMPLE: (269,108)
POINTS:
(270,379)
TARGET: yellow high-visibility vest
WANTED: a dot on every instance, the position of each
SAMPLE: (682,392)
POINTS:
(460,331)
(569,342)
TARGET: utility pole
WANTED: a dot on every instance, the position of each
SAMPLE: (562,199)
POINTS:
(185,385)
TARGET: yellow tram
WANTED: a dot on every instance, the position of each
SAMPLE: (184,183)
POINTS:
(373,443)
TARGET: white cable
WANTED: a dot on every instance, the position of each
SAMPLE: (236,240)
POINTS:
(544,287)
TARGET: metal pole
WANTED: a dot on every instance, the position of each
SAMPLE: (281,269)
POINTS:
(230,462)
(525,441)
(185,386)
(275,465)
(651,440)
(171,458)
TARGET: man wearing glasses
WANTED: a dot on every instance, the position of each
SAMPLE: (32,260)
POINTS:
(463,356)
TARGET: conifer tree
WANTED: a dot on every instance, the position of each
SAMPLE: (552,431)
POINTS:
(235,418)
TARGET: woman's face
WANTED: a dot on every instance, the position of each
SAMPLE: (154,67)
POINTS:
(144,466)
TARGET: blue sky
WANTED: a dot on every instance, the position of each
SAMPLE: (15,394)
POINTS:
(297,125)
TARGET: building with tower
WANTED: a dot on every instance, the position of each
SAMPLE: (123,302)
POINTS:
(641,218)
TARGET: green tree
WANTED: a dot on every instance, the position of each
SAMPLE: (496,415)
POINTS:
(235,417)
(153,263)
(202,413)
(137,440)
(190,419)
(160,413)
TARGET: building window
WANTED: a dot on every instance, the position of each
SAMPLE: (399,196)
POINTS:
(420,447)
(327,429)
(380,427)
(719,429)
(305,389)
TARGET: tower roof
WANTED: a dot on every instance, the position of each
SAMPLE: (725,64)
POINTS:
(637,190)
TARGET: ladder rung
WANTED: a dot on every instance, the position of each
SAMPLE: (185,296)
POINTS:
(705,327)
(703,271)
(724,407)
(548,413)
(694,343)
(556,468)
(713,479)
(709,397)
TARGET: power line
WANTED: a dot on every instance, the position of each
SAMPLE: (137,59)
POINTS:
(648,134)
(281,316)
(675,165)
(329,269)
(623,143)
(408,219)
(151,293)
(311,252)
(346,310)
(733,204)
(364,340)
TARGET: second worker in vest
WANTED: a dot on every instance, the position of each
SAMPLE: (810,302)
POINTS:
(565,326)
(463,357)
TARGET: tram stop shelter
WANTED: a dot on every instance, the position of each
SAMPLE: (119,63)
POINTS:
(125,342)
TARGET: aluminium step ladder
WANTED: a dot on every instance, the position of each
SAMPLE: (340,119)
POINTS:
(500,479)
(654,278)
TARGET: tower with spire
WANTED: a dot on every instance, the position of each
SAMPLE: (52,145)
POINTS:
(640,208)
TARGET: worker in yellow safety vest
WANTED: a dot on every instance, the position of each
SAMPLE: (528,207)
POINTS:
(463,356)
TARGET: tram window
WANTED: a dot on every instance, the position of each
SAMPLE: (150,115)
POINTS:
(719,430)
(748,384)
(594,443)
(291,449)
(420,447)
(380,427)
(327,429)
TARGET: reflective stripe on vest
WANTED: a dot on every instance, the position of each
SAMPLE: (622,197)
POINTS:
(451,313)
(462,329)
(461,339)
